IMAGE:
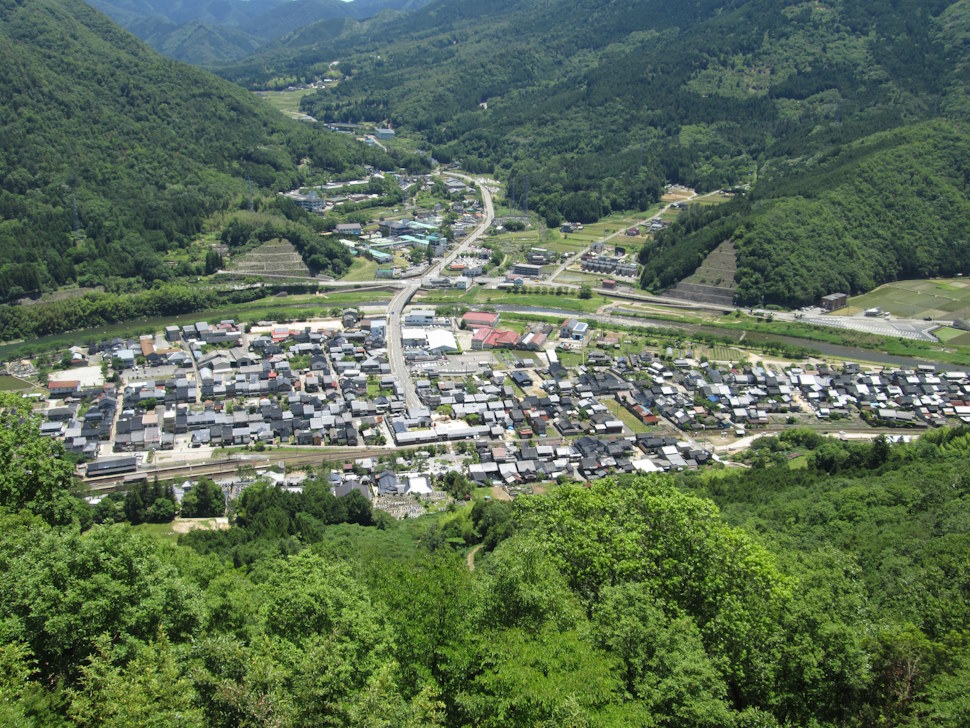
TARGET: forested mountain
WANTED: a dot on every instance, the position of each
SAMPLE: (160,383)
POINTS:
(195,42)
(834,595)
(890,206)
(141,147)
(593,107)
(224,30)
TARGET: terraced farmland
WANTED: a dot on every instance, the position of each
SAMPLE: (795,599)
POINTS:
(713,282)
(274,257)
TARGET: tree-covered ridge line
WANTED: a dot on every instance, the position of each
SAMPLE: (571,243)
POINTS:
(112,155)
(607,107)
(830,596)
(891,206)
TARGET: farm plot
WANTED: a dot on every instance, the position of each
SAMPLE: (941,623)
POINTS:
(274,257)
(941,298)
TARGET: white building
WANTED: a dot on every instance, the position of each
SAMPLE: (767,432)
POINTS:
(412,337)
(441,341)
(419,317)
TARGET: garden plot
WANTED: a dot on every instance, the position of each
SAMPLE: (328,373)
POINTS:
(274,257)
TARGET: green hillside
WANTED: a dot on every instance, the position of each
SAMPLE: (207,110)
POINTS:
(830,596)
(143,148)
(208,32)
(891,206)
(592,108)
(195,42)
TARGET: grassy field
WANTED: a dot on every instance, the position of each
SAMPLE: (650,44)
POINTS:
(173,529)
(288,102)
(719,353)
(710,200)
(953,337)
(625,416)
(942,298)
(12,384)
(363,269)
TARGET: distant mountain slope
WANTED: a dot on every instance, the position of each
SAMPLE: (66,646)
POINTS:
(214,31)
(143,147)
(194,42)
(893,205)
(591,107)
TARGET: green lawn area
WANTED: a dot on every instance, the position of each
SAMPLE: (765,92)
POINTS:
(287,102)
(173,529)
(962,338)
(363,269)
(570,358)
(625,416)
(710,200)
(156,530)
(12,384)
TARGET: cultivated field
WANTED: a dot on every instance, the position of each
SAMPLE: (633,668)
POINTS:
(939,298)
(275,257)
(287,102)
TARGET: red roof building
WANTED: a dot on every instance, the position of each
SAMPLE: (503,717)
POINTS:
(478,319)
(501,338)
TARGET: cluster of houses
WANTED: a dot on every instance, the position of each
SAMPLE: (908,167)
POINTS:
(891,397)
(613,264)
(324,198)
(694,397)
(80,417)
(316,386)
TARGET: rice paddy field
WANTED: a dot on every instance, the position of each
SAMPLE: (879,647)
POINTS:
(938,298)
(287,102)
(13,384)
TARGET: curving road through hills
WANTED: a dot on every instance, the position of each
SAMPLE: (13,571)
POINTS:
(395,309)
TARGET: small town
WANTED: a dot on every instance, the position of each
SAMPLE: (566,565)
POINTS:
(451,364)
(393,396)
(495,404)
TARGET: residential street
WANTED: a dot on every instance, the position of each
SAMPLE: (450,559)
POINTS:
(395,309)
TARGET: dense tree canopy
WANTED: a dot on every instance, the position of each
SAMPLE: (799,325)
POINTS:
(112,156)
(618,98)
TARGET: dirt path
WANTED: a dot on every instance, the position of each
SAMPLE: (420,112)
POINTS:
(470,559)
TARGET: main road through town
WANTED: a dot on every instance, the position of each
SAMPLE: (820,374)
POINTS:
(395,309)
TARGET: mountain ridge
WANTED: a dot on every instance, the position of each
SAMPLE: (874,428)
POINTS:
(595,114)
(137,148)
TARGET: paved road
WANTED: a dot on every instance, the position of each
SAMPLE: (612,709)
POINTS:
(902,328)
(395,309)
(395,347)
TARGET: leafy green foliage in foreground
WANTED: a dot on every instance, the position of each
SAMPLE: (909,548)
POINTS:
(836,598)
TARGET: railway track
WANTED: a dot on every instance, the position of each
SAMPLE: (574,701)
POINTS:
(227,466)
